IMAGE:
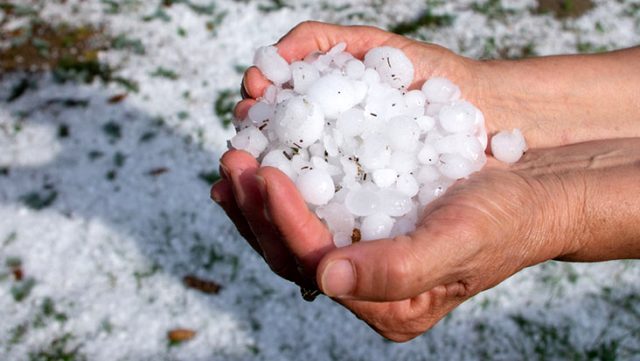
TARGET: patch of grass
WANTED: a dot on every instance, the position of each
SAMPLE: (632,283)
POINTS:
(493,9)
(209,177)
(19,89)
(427,19)
(21,290)
(562,9)
(95,154)
(124,42)
(60,349)
(39,200)
(223,106)
(119,159)
(112,130)
(161,72)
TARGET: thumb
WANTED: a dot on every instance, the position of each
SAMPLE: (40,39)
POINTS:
(388,269)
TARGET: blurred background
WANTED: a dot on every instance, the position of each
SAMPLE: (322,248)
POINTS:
(113,114)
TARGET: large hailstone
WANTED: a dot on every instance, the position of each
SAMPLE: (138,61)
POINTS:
(392,64)
(508,146)
(334,94)
(272,65)
(298,122)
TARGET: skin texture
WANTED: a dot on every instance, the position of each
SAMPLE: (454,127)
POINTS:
(575,202)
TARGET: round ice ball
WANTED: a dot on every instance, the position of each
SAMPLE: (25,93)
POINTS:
(351,123)
(354,69)
(278,159)
(362,202)
(272,65)
(251,140)
(298,122)
(334,94)
(337,217)
(376,226)
(260,113)
(316,187)
(394,203)
(403,133)
(393,66)
(440,90)
(303,75)
(455,166)
(384,178)
(458,117)
(407,184)
(508,146)
(374,153)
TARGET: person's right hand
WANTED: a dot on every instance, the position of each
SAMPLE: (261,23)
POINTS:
(553,100)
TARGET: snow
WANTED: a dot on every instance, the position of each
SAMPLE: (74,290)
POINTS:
(111,253)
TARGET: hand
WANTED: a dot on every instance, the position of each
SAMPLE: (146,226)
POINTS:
(553,204)
(554,100)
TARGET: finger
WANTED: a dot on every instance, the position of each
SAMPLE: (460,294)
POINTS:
(391,269)
(222,194)
(254,83)
(305,235)
(242,168)
(311,36)
(401,321)
(242,108)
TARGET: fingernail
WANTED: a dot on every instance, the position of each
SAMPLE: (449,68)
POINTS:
(215,197)
(261,183)
(338,279)
(237,187)
(224,172)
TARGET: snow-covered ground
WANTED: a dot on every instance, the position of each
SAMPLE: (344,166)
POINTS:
(104,205)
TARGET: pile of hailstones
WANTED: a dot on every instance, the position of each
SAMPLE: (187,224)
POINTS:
(366,153)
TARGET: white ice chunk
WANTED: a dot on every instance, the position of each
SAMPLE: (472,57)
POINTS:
(459,117)
(303,75)
(316,187)
(407,184)
(392,64)
(338,217)
(250,140)
(354,69)
(277,159)
(376,226)
(351,123)
(508,146)
(440,90)
(362,202)
(272,65)
(298,122)
(384,178)
(394,203)
(334,94)
(455,166)
(403,133)
(260,113)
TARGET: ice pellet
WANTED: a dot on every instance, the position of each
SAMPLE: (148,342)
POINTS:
(508,146)
(316,187)
(376,226)
(272,65)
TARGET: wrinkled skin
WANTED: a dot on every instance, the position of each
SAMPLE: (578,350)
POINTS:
(483,230)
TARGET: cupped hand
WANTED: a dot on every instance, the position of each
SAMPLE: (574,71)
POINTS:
(480,232)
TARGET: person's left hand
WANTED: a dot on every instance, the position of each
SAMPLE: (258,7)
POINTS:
(483,230)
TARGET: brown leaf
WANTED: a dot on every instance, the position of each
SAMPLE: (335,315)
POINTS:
(356,236)
(18,274)
(117,98)
(158,171)
(206,286)
(181,335)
